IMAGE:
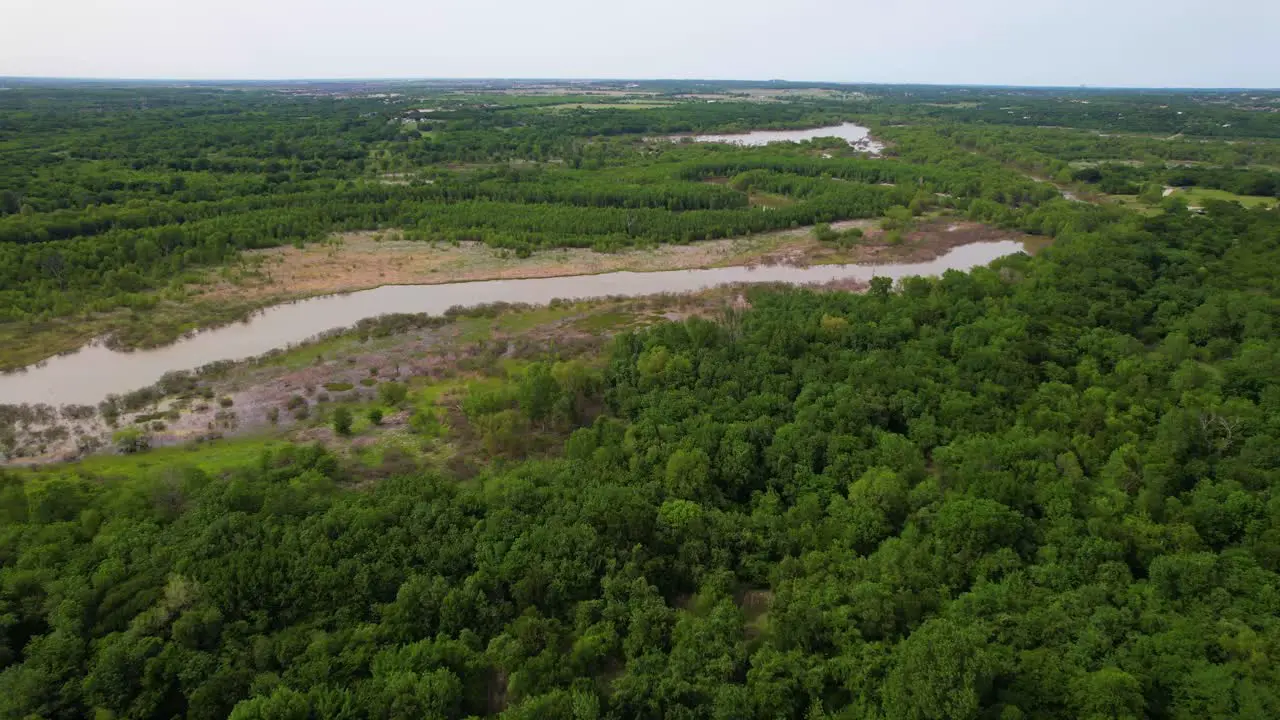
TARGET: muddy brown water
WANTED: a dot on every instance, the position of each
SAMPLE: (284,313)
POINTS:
(854,134)
(88,375)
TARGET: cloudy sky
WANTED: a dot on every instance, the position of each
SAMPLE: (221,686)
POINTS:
(1018,42)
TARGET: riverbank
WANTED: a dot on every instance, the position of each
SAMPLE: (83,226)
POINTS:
(294,386)
(365,260)
(289,396)
(362,261)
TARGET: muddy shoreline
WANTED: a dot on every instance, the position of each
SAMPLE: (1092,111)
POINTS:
(368,260)
(285,392)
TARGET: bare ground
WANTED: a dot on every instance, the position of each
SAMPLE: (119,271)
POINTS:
(359,261)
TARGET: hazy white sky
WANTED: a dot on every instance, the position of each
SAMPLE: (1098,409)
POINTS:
(1044,42)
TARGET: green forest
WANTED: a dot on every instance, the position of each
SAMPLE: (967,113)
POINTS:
(1041,489)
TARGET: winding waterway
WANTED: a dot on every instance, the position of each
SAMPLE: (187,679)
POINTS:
(90,374)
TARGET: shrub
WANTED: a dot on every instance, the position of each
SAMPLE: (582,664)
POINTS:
(424,422)
(338,386)
(77,412)
(342,421)
(392,393)
(110,409)
(226,402)
(896,218)
(487,402)
(131,440)
(375,415)
(824,233)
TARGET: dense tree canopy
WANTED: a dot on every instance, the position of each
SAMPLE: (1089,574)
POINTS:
(1044,488)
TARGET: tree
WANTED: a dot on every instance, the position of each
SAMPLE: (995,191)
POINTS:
(941,671)
(55,266)
(1152,193)
(392,394)
(687,474)
(1108,694)
(881,286)
(538,391)
(342,420)
(131,440)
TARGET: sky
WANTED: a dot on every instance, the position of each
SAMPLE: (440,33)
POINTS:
(1127,43)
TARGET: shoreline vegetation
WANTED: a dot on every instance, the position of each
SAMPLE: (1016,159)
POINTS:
(40,435)
(365,260)
(398,347)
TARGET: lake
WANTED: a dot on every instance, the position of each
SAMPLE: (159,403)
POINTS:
(855,135)
(87,376)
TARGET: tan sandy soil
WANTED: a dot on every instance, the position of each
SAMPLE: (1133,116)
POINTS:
(358,261)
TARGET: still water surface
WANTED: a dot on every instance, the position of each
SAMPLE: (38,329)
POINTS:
(91,373)
(855,135)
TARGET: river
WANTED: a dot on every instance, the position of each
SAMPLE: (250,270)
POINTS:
(88,375)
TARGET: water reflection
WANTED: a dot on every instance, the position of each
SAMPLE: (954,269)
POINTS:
(90,374)
(856,135)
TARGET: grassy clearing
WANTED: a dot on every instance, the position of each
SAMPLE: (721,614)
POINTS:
(1194,197)
(1198,196)
(1131,202)
(604,321)
(480,328)
(22,344)
(769,200)
(1080,164)
(305,355)
(211,457)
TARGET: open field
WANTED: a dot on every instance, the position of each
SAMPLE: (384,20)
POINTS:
(1194,197)
(1197,197)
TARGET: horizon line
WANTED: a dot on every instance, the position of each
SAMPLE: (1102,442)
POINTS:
(600,80)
